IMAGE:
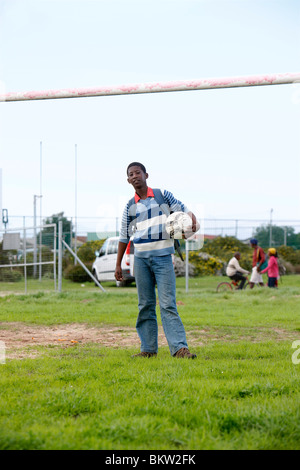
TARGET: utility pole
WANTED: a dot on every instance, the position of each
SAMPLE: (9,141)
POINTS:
(284,234)
(34,236)
(270,241)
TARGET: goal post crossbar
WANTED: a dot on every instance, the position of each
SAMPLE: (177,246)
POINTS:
(156,87)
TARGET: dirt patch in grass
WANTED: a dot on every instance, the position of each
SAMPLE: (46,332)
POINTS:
(18,336)
(20,339)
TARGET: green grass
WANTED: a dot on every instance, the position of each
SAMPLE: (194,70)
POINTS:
(242,391)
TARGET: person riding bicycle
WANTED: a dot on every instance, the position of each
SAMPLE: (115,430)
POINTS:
(235,272)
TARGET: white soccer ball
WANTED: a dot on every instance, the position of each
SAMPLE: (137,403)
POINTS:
(178,224)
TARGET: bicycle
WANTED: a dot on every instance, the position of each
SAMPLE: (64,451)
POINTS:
(226,286)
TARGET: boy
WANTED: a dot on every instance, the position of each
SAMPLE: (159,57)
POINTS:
(152,264)
(258,262)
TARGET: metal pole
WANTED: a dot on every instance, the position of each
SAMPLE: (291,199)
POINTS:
(40,237)
(75,246)
(186,265)
(1,210)
(270,241)
(158,87)
(284,235)
(34,237)
(54,257)
(59,255)
(84,267)
(24,252)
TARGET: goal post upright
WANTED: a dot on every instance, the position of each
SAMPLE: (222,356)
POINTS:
(1,214)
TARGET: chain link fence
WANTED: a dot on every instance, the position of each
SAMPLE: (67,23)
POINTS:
(28,259)
(97,228)
(29,255)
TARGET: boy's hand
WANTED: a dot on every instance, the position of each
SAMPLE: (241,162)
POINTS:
(191,229)
(188,232)
(119,273)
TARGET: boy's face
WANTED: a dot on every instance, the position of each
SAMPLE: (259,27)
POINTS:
(137,177)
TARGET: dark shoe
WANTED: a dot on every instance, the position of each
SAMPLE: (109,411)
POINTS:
(184,352)
(144,354)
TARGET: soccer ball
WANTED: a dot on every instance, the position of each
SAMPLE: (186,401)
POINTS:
(178,224)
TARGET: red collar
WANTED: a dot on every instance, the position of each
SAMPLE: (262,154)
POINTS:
(150,193)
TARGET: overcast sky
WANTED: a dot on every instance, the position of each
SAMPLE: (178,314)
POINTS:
(233,151)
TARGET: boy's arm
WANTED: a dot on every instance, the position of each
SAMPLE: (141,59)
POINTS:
(122,244)
(118,271)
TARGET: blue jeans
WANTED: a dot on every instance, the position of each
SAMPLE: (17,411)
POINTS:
(148,272)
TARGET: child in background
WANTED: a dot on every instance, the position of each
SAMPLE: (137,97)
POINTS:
(272,268)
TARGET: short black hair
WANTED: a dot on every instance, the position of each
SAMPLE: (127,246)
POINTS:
(137,164)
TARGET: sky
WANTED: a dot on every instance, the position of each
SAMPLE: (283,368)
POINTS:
(228,153)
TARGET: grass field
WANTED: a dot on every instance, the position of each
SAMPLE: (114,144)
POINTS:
(84,391)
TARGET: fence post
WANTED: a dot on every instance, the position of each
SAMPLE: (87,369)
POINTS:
(24,254)
(34,237)
(54,257)
(186,265)
(59,255)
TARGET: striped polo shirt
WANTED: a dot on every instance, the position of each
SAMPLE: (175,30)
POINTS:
(147,228)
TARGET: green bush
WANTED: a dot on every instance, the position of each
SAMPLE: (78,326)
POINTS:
(4,258)
(86,252)
(225,247)
(206,265)
(9,275)
(216,254)
(289,254)
(76,273)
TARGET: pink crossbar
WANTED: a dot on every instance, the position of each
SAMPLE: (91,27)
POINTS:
(157,87)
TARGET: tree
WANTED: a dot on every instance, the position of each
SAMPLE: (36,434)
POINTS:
(280,236)
(47,233)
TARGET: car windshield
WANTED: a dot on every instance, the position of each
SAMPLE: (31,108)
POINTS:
(103,248)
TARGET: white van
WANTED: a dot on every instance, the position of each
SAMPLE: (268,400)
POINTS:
(105,263)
